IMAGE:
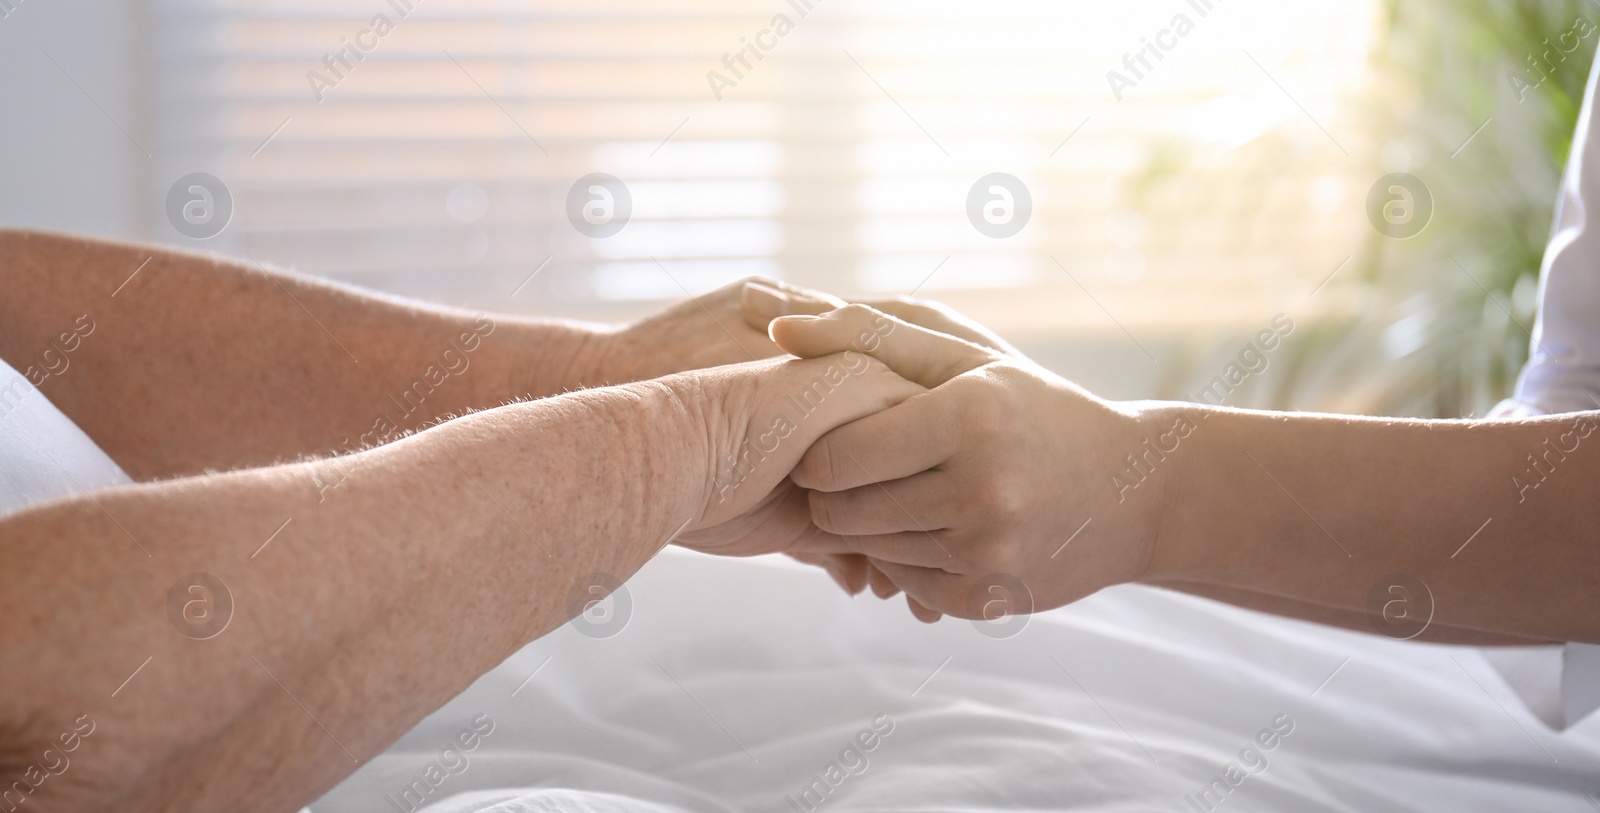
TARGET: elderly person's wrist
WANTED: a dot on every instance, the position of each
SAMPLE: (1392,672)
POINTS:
(662,424)
(620,354)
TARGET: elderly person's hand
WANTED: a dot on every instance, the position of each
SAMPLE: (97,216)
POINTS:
(708,330)
(758,418)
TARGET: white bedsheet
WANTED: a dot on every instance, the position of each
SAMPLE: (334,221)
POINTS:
(737,682)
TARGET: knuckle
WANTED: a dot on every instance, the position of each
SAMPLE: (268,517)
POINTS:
(989,409)
(999,499)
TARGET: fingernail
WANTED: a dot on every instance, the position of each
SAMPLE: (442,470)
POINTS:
(798,318)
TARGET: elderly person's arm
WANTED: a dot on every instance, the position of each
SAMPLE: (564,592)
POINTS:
(178,363)
(357,612)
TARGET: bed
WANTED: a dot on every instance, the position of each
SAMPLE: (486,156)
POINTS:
(751,685)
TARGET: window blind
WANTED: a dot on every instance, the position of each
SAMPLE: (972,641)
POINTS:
(429,147)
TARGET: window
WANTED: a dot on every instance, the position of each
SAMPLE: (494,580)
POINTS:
(1219,187)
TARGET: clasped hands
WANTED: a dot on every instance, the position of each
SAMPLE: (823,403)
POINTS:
(906,448)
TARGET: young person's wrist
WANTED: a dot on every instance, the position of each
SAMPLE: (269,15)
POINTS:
(1172,519)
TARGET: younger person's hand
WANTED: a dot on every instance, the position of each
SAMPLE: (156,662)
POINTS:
(1001,471)
(765,300)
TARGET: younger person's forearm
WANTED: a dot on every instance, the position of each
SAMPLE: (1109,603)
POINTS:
(1350,619)
(1327,509)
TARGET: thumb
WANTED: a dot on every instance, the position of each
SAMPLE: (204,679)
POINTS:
(916,353)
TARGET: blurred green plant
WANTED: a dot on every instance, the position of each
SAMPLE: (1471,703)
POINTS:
(1458,103)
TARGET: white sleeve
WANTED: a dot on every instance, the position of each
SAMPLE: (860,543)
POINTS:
(1561,685)
(1563,371)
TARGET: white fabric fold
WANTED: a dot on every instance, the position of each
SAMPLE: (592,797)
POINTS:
(43,454)
(736,683)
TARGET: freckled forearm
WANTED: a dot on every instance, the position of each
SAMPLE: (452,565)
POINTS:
(177,363)
(370,604)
